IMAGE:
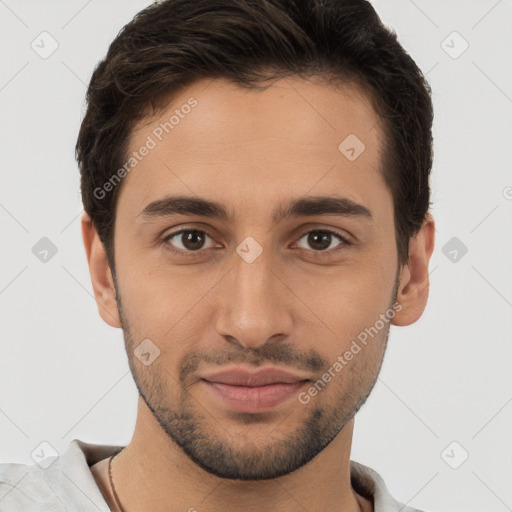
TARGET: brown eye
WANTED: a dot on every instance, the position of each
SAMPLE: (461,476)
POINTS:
(320,240)
(191,240)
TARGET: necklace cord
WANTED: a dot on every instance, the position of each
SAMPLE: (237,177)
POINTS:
(112,486)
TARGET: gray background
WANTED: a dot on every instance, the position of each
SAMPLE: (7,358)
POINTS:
(445,379)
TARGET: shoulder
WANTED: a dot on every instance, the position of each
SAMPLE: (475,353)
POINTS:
(25,488)
(63,483)
(367,482)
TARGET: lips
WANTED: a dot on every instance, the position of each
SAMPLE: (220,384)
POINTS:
(260,391)
(264,377)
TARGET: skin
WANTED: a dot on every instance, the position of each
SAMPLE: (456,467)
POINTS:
(253,151)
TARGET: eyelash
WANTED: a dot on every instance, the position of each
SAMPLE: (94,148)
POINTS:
(345,245)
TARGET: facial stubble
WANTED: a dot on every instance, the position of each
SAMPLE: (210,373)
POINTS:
(209,443)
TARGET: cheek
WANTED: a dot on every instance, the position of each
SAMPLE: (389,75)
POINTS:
(161,303)
(346,302)
(348,306)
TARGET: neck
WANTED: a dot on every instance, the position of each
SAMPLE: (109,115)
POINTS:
(153,473)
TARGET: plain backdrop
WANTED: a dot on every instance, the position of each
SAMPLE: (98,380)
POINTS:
(437,425)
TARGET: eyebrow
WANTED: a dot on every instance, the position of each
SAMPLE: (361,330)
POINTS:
(303,207)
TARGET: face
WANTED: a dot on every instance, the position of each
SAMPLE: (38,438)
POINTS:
(264,285)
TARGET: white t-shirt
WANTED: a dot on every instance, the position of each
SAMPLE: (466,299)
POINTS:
(67,484)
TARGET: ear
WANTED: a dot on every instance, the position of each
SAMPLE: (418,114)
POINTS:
(413,289)
(101,275)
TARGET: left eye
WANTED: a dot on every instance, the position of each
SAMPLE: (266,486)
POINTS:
(321,239)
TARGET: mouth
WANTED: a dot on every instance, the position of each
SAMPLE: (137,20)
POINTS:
(244,391)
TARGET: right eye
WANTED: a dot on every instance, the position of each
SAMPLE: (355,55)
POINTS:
(191,243)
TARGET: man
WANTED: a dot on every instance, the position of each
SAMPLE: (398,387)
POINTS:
(255,177)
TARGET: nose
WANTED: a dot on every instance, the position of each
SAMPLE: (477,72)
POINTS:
(255,303)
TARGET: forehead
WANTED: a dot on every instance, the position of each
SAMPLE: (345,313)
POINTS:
(242,144)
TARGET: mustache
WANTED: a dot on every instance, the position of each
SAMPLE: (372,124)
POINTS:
(283,355)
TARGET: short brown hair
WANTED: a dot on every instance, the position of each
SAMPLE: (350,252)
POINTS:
(173,43)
